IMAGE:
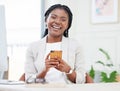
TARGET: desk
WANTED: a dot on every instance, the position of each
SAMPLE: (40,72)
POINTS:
(53,87)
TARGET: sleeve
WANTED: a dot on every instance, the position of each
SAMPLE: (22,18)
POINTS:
(76,61)
(80,65)
(30,70)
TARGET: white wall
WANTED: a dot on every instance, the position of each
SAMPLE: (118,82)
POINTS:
(92,36)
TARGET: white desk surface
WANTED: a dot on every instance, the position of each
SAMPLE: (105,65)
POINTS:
(53,87)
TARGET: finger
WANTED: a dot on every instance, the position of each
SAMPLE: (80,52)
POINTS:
(48,65)
(47,57)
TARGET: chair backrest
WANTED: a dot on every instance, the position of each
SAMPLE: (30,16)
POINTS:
(89,79)
(22,78)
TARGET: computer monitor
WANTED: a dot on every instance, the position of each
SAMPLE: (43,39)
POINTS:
(3,42)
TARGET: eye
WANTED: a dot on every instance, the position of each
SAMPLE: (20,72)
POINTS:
(63,19)
(53,17)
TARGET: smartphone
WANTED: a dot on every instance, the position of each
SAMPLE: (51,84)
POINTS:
(56,53)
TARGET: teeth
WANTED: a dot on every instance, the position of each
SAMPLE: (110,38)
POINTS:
(57,27)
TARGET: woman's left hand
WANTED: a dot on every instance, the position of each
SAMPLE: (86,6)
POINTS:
(63,66)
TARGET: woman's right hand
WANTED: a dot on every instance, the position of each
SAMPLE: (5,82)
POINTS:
(47,67)
(50,62)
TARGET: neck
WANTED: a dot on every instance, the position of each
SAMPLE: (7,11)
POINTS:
(53,39)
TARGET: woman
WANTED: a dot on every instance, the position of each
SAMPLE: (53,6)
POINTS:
(68,69)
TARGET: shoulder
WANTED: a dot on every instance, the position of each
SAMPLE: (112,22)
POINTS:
(75,44)
(34,44)
(72,41)
(37,43)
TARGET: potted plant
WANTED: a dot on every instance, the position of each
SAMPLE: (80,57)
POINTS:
(105,76)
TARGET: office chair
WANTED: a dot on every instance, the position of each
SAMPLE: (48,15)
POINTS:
(89,79)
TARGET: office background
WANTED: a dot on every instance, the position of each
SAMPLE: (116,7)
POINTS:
(23,25)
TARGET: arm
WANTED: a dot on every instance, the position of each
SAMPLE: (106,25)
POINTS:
(76,61)
(80,66)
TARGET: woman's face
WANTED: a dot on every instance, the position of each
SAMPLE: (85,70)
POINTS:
(57,22)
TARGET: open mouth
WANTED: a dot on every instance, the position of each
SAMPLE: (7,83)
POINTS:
(56,27)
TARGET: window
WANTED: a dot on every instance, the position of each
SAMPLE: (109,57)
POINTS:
(23,27)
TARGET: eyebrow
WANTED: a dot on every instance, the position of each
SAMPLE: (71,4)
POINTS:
(61,17)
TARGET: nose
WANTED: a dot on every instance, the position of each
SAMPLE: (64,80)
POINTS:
(58,21)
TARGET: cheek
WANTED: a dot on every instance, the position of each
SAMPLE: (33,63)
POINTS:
(65,25)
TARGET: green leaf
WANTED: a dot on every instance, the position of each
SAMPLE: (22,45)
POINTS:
(112,77)
(104,52)
(104,77)
(109,65)
(100,62)
(92,72)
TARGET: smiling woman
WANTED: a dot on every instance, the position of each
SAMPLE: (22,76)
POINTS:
(70,68)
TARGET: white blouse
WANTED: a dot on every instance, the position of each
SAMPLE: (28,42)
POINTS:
(54,75)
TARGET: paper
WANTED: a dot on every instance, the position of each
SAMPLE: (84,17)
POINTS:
(11,82)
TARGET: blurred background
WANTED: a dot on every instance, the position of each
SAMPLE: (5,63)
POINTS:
(22,22)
